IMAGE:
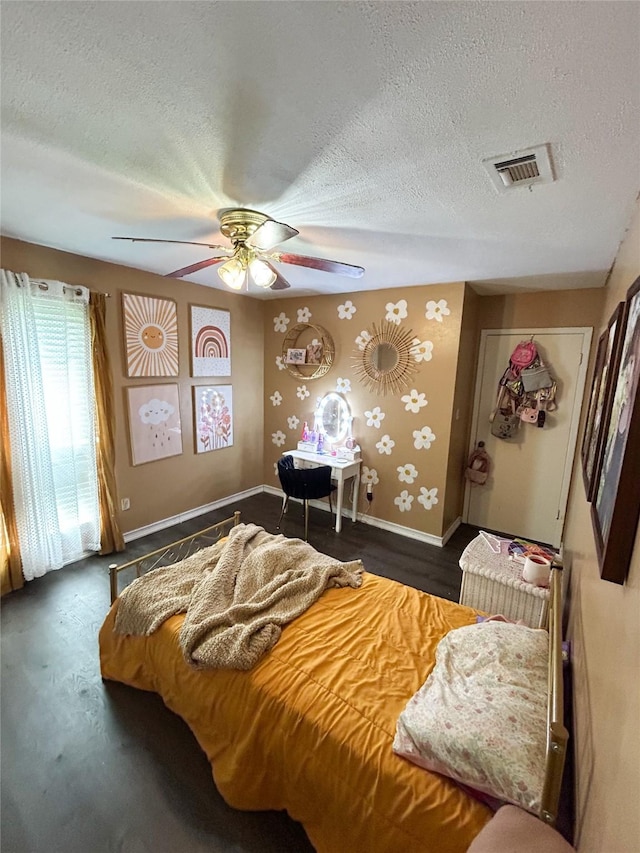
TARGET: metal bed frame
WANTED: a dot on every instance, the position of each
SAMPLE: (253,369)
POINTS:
(557,734)
(172,553)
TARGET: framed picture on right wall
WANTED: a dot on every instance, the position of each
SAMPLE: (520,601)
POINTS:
(616,496)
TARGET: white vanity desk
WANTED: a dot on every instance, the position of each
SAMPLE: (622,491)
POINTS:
(341,470)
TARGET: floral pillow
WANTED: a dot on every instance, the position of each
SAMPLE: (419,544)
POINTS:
(481,716)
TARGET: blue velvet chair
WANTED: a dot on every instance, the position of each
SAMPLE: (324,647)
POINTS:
(305,484)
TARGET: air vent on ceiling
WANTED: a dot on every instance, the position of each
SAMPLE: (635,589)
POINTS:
(520,169)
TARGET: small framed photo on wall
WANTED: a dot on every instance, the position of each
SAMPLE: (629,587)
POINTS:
(213,411)
(210,332)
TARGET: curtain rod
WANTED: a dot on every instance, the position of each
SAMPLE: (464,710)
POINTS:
(43,285)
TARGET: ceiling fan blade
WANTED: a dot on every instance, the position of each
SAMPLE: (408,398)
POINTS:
(182,242)
(280,283)
(195,267)
(270,234)
(319,264)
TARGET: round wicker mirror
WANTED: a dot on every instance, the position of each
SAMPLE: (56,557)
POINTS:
(385,364)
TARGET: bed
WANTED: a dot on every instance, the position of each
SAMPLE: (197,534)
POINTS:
(309,729)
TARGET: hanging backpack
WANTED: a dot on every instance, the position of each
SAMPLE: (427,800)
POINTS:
(522,356)
(478,465)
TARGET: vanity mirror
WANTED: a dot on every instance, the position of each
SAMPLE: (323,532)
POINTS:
(386,363)
(333,417)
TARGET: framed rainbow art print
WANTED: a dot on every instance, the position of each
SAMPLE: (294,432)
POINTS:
(210,333)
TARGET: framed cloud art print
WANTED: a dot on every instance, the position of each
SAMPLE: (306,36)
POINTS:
(155,430)
(210,330)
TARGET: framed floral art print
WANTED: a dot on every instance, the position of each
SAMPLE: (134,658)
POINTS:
(213,410)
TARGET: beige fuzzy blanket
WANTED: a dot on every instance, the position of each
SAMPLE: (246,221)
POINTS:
(237,595)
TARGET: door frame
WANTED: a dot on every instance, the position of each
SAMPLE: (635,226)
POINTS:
(581,378)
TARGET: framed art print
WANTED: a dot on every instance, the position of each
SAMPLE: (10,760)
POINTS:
(210,341)
(213,409)
(155,431)
(150,335)
(296,356)
(616,499)
(608,347)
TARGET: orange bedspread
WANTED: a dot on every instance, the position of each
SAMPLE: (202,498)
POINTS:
(310,728)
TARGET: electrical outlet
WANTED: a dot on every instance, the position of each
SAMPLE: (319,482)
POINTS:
(369,492)
(125,504)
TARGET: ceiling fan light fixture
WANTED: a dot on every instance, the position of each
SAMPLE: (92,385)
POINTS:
(233,273)
(261,273)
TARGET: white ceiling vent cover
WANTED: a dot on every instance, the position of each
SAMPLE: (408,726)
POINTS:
(520,169)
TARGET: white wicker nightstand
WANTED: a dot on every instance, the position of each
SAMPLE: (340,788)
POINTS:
(493,583)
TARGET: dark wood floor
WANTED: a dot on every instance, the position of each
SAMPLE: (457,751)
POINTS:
(89,766)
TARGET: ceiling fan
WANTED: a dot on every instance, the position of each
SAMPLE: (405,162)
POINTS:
(253,236)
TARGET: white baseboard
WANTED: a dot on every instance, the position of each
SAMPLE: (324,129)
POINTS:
(189,514)
(390,526)
(452,529)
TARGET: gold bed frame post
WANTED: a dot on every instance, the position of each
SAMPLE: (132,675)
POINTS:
(115,569)
(557,734)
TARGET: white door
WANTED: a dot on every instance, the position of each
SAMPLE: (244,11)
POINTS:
(526,493)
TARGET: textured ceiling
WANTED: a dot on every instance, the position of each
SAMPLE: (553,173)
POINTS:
(363,125)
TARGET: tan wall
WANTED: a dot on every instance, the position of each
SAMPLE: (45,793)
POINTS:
(435,378)
(462,409)
(605,635)
(543,309)
(167,487)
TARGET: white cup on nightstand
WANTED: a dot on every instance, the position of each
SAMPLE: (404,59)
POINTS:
(536,570)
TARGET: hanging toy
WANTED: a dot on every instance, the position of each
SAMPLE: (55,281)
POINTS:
(478,466)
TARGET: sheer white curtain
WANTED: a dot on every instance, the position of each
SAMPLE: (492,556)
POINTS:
(50,401)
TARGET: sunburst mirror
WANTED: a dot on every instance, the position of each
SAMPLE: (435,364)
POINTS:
(384,363)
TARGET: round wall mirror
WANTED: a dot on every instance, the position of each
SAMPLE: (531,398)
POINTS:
(386,362)
(384,357)
(333,417)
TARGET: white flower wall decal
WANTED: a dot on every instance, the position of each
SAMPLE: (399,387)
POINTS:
(407,473)
(363,339)
(280,322)
(347,310)
(385,445)
(374,417)
(396,311)
(423,438)
(369,475)
(304,315)
(413,401)
(278,438)
(404,501)
(437,310)
(428,497)
(276,398)
(343,385)
(302,392)
(293,422)
(280,363)
(421,350)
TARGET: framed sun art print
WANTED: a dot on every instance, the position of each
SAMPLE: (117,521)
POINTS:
(150,328)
